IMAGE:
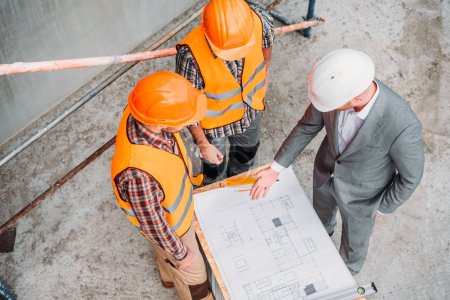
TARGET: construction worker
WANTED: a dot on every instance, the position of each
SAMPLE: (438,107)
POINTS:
(227,57)
(152,177)
(371,158)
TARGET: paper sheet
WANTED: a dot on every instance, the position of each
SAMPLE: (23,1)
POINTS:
(275,248)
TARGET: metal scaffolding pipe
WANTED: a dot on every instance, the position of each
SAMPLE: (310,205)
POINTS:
(309,17)
(64,64)
(51,190)
(84,99)
(299,26)
(11,222)
(42,66)
(272,5)
(89,62)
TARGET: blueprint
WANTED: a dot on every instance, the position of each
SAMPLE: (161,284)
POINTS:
(271,249)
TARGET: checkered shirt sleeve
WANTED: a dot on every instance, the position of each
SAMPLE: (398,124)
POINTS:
(145,194)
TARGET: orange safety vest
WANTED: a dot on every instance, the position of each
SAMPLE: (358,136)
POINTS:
(173,173)
(225,96)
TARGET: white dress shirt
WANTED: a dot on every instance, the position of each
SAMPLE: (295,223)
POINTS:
(349,122)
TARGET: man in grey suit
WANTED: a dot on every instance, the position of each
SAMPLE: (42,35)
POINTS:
(371,159)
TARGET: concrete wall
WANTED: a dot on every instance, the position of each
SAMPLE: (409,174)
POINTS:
(60,29)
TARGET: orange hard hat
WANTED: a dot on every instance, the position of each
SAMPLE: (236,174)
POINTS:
(228,27)
(166,99)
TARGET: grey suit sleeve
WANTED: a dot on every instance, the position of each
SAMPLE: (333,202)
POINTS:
(408,157)
(306,129)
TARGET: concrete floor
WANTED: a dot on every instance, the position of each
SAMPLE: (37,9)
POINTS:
(78,245)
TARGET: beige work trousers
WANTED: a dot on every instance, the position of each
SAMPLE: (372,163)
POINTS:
(191,284)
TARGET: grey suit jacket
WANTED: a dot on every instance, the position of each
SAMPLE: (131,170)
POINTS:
(380,168)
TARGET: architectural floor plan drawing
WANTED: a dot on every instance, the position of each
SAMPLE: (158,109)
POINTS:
(271,249)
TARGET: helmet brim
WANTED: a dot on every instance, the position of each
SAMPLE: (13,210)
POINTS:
(198,114)
(322,108)
(233,53)
(200,109)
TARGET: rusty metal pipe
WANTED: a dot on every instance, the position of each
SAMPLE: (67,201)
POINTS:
(20,67)
(88,96)
(11,222)
(298,26)
(51,190)
(272,5)
(90,62)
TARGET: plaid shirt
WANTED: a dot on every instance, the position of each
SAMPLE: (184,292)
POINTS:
(145,194)
(187,67)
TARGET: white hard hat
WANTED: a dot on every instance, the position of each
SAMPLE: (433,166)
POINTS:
(338,77)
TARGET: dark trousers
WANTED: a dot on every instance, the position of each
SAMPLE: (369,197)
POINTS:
(241,156)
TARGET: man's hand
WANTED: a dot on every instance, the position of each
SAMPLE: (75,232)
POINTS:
(210,153)
(264,180)
(186,262)
(207,151)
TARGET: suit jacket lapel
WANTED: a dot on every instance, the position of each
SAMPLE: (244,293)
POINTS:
(371,127)
(332,117)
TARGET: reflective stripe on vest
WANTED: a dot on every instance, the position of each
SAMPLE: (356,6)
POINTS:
(257,88)
(177,185)
(236,92)
(174,206)
(218,113)
(225,96)
(130,213)
(176,226)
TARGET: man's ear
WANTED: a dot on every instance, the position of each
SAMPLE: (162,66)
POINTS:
(356,101)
